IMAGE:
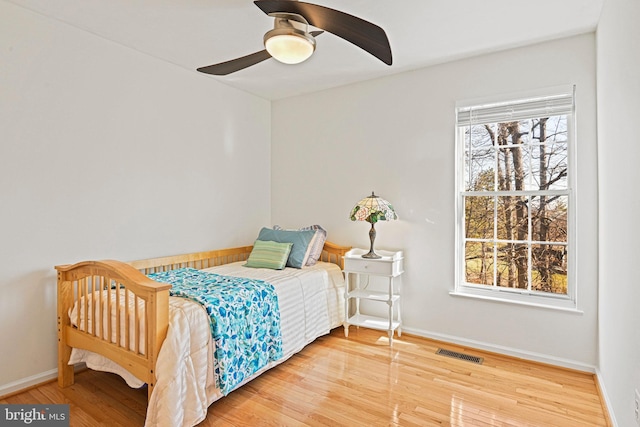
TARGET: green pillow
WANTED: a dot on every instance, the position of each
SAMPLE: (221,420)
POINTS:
(266,254)
(300,239)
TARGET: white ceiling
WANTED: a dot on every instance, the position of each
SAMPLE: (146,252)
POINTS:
(194,33)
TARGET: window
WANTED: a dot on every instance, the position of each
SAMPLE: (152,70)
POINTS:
(514,204)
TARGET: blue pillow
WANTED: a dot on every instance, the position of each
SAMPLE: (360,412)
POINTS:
(317,243)
(300,239)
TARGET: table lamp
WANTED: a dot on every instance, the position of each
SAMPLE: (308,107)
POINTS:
(373,209)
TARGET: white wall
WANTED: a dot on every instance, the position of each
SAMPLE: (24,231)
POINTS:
(618,42)
(107,153)
(396,136)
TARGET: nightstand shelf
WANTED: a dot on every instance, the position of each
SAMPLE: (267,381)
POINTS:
(372,295)
(373,322)
(390,267)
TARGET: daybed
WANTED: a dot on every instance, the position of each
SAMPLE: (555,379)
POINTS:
(166,342)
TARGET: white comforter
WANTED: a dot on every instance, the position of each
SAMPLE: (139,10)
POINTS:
(311,304)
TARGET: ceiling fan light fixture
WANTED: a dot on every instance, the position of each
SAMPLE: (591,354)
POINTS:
(289,45)
(291,42)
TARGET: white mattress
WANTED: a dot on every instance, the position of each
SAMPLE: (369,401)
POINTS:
(311,303)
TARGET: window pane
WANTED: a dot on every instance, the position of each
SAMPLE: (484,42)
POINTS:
(557,167)
(549,218)
(549,167)
(549,268)
(480,159)
(513,265)
(512,218)
(479,263)
(527,169)
(479,217)
(505,271)
(482,136)
(553,130)
(513,167)
(550,153)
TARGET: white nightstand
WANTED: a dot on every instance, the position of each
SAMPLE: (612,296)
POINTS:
(388,266)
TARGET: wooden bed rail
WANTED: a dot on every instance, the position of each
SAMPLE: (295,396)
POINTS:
(118,290)
(197,260)
(334,253)
(331,253)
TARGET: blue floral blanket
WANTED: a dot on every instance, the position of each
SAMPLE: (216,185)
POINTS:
(245,320)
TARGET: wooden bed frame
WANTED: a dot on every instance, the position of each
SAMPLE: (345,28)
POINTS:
(77,281)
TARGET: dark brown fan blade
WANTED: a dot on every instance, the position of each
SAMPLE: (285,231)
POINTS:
(228,67)
(362,33)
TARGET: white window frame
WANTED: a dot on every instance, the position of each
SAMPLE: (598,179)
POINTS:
(517,107)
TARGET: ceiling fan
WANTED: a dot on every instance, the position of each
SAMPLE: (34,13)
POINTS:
(291,42)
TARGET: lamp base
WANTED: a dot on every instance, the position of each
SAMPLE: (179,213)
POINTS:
(372,237)
(371,255)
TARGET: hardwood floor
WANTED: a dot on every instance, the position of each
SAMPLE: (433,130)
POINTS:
(360,381)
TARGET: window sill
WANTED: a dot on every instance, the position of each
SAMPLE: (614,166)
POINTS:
(561,304)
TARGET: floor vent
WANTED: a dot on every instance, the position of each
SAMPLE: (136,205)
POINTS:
(461,356)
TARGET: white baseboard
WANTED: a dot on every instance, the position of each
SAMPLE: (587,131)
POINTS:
(34,380)
(513,352)
(605,397)
(25,383)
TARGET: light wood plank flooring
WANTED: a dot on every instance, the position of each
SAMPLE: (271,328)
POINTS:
(360,381)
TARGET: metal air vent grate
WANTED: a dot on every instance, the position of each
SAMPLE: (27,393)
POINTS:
(461,356)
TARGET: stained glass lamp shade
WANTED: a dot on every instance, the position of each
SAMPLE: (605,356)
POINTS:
(373,209)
